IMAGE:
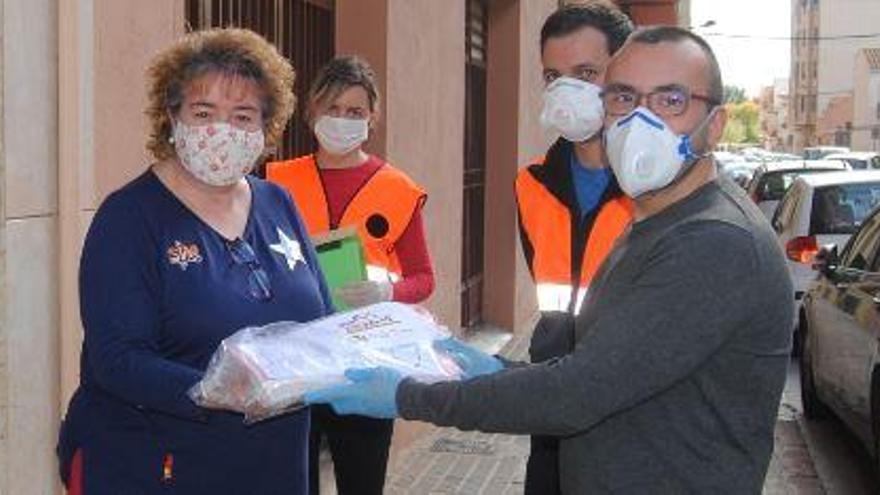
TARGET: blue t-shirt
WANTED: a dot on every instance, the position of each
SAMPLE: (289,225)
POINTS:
(159,290)
(589,184)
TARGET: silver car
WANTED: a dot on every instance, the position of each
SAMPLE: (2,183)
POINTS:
(840,336)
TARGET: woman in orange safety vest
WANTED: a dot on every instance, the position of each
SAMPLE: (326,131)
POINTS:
(342,186)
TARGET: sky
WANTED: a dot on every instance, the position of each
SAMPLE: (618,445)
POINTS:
(747,63)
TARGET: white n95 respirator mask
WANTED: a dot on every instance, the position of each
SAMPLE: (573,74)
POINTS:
(572,109)
(645,154)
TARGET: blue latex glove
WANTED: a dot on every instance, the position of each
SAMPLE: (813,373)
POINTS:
(372,392)
(473,362)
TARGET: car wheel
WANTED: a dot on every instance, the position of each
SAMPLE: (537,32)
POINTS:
(875,420)
(797,336)
(813,406)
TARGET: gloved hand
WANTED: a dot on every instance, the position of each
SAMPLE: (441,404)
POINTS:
(473,362)
(372,392)
(364,293)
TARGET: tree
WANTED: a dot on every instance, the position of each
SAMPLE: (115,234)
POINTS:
(734,94)
(743,123)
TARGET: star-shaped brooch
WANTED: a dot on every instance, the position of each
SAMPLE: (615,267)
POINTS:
(289,248)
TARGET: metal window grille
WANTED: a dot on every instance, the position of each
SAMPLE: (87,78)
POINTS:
(474,164)
(303,31)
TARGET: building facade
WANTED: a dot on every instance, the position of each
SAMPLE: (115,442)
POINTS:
(461,84)
(827,37)
(773,103)
(804,72)
(866,100)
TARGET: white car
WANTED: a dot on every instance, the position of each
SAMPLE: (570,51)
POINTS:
(858,160)
(822,209)
(817,152)
(771,180)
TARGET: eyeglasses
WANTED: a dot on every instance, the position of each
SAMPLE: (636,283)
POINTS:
(258,281)
(668,101)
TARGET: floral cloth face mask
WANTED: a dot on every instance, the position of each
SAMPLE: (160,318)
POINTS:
(218,154)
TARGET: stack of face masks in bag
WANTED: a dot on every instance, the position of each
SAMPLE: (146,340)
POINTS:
(264,371)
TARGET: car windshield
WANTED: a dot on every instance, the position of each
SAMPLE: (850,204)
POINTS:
(856,163)
(774,184)
(840,209)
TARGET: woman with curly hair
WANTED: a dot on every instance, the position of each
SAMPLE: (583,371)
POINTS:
(178,259)
(343,186)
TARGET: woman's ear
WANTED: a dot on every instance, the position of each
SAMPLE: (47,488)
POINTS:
(374,119)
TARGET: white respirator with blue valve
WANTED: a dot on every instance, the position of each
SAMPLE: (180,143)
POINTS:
(646,155)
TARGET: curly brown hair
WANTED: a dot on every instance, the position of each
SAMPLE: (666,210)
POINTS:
(229,51)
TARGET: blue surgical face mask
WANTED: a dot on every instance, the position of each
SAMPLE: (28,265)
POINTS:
(646,155)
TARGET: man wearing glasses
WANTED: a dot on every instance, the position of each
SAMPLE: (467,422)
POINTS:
(682,342)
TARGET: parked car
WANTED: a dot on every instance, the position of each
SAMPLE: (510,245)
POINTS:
(822,209)
(819,152)
(840,336)
(858,160)
(772,179)
(735,167)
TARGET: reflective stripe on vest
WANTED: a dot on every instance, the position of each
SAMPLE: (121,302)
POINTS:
(557,297)
(547,224)
(380,210)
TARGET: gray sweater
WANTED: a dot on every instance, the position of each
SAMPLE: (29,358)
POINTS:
(681,356)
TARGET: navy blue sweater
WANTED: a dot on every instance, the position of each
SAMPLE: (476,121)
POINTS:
(159,290)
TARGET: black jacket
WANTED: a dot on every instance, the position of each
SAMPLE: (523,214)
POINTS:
(554,333)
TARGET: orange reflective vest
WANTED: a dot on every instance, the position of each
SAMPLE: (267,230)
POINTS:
(548,225)
(380,210)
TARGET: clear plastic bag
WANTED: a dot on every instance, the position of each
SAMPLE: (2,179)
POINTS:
(264,371)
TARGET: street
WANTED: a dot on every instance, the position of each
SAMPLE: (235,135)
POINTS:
(815,456)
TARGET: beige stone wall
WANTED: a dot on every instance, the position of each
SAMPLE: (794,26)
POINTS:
(130,33)
(72,130)
(371,44)
(29,404)
(4,396)
(514,139)
(425,135)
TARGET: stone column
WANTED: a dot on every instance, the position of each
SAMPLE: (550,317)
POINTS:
(514,139)
(29,353)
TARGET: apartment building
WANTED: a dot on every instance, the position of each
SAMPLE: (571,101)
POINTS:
(827,36)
